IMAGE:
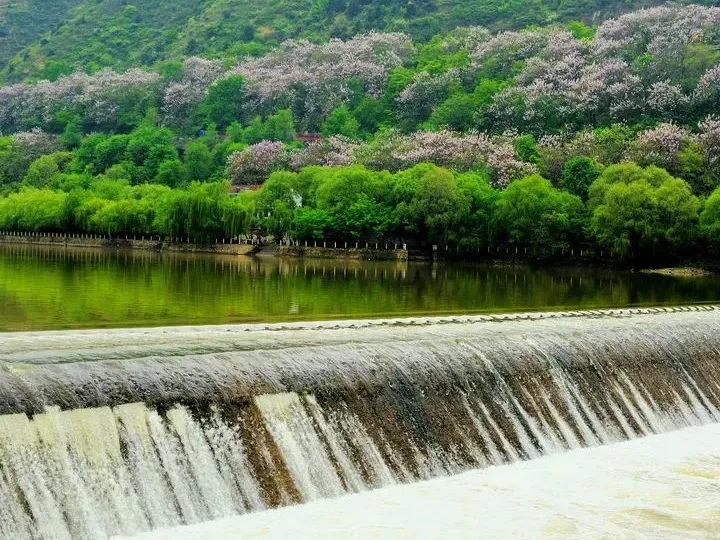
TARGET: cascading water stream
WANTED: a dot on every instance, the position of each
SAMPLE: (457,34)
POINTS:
(118,432)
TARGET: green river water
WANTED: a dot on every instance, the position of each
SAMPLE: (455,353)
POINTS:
(43,288)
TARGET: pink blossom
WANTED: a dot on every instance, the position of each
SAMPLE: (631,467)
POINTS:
(577,81)
(201,72)
(105,90)
(507,47)
(97,96)
(334,151)
(36,142)
(318,74)
(665,97)
(710,139)
(466,38)
(659,146)
(453,150)
(708,88)
(181,98)
(10,110)
(665,29)
(424,92)
(254,164)
(558,149)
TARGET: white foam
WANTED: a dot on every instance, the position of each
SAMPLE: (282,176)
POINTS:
(662,486)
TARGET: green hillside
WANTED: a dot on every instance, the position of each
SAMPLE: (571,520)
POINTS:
(598,139)
(41,39)
(23,22)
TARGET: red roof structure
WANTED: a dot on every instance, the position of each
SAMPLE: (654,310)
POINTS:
(309,137)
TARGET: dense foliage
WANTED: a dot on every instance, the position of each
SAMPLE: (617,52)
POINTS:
(599,138)
(40,38)
(632,213)
(660,64)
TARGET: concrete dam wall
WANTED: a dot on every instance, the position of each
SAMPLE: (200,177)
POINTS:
(123,431)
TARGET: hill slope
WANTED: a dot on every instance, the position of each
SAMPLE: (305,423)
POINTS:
(23,22)
(43,39)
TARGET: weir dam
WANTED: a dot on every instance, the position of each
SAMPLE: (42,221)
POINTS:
(124,431)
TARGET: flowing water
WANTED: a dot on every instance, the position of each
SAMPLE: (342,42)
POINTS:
(47,288)
(660,487)
(124,431)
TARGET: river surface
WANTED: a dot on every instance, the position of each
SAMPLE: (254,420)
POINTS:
(659,487)
(44,288)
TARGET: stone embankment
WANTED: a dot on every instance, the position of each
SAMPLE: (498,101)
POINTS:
(351,253)
(154,243)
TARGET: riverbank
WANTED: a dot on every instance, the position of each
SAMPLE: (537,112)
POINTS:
(371,252)
(367,254)
(232,247)
(681,271)
(142,243)
(292,249)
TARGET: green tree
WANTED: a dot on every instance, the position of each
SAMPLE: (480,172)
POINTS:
(54,69)
(370,114)
(199,161)
(580,30)
(312,224)
(710,219)
(365,218)
(693,168)
(44,168)
(341,122)
(456,112)
(236,213)
(533,214)
(253,133)
(479,229)
(109,152)
(279,219)
(436,207)
(34,210)
(338,189)
(196,212)
(642,212)
(223,104)
(72,136)
(527,149)
(280,126)
(278,187)
(578,175)
(147,148)
(171,173)
(611,143)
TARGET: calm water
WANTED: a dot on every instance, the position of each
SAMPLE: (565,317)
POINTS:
(53,288)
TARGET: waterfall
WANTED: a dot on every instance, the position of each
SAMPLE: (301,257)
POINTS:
(662,487)
(119,432)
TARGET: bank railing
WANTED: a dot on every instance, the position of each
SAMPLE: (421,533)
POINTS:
(502,251)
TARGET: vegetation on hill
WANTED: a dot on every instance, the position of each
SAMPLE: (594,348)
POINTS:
(548,138)
(23,22)
(40,39)
(648,66)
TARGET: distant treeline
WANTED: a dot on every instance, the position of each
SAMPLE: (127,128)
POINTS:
(626,211)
